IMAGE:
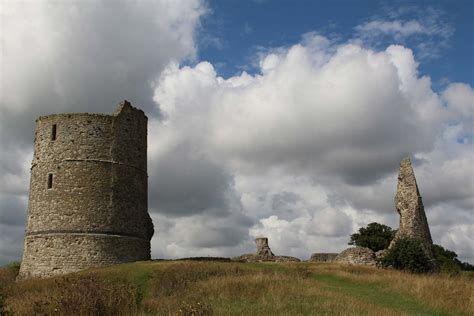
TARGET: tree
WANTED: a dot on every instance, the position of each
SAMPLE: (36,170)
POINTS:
(448,261)
(407,254)
(375,236)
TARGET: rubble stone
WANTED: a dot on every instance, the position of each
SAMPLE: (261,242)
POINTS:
(323,257)
(357,255)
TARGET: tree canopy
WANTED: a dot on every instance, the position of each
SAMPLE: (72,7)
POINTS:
(375,236)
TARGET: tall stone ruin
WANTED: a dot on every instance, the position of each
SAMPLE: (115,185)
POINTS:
(408,202)
(264,253)
(88,193)
(263,249)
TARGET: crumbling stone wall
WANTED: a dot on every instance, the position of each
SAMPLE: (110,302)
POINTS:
(88,192)
(408,202)
(323,257)
(263,249)
(356,255)
(264,253)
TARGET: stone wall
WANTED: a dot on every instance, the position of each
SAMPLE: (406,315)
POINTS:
(356,255)
(56,254)
(89,187)
(323,257)
(409,205)
(264,253)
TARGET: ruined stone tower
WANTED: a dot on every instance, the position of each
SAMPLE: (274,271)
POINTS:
(262,247)
(88,193)
(408,202)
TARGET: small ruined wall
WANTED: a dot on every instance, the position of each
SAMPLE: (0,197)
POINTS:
(323,257)
(356,255)
(88,187)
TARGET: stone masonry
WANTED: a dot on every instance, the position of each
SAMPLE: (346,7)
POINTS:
(88,193)
(323,257)
(262,247)
(356,255)
(264,253)
(413,222)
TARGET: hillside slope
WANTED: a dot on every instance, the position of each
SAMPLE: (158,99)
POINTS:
(225,288)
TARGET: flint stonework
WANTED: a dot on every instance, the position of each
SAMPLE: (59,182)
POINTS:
(264,253)
(408,202)
(323,257)
(88,193)
(262,247)
(356,255)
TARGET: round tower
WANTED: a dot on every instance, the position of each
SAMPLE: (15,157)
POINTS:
(88,193)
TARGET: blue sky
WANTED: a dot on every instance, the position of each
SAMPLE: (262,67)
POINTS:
(234,30)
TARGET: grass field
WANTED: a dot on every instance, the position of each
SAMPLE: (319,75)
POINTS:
(219,288)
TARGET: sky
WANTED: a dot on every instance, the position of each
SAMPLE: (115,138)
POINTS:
(284,119)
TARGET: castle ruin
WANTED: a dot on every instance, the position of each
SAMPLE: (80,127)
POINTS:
(88,193)
(408,202)
(264,253)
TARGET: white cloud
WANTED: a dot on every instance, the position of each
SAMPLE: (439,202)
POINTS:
(312,142)
(398,28)
(303,115)
(460,99)
(427,30)
(81,56)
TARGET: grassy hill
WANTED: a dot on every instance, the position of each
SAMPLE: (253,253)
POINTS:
(227,288)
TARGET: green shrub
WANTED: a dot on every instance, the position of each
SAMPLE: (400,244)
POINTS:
(375,236)
(407,254)
(466,266)
(448,261)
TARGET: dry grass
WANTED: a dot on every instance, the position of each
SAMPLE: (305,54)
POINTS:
(69,295)
(213,288)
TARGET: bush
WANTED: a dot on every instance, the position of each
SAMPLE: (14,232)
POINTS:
(448,261)
(375,236)
(465,266)
(407,254)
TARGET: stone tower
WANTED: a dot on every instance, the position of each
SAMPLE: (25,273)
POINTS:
(413,222)
(263,249)
(88,193)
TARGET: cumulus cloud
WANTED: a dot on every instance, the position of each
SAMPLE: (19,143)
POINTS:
(78,57)
(200,235)
(350,117)
(312,142)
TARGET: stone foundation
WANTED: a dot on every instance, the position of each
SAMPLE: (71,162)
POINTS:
(323,257)
(60,253)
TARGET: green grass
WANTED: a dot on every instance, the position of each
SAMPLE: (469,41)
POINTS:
(136,274)
(376,294)
(218,288)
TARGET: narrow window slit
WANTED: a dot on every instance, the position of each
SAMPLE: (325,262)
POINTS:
(50,181)
(53,132)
